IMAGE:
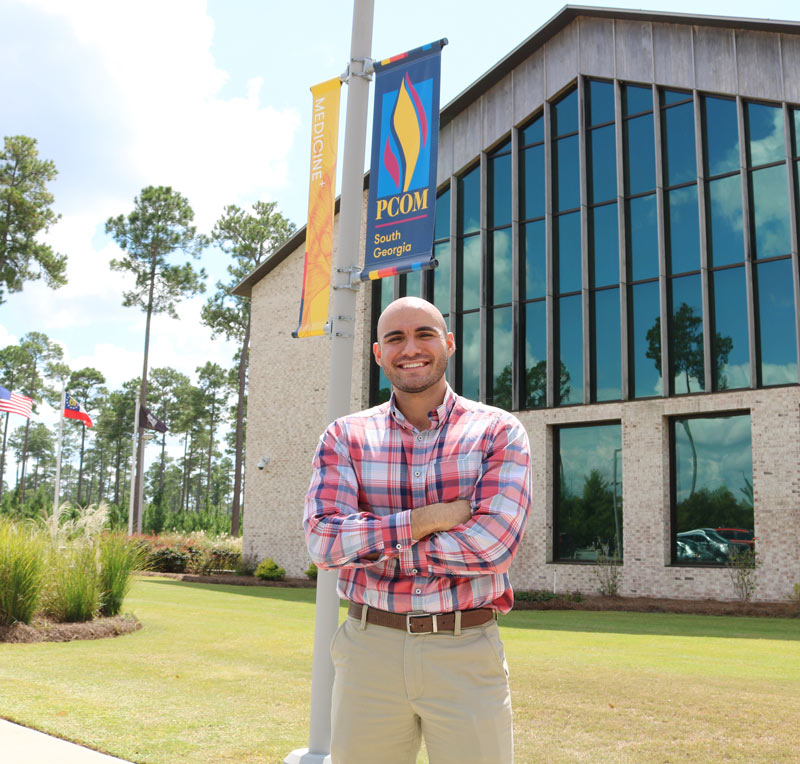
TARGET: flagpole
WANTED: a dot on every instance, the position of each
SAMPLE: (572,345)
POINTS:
(342,318)
(133,464)
(60,440)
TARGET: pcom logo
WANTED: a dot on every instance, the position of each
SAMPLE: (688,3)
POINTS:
(405,147)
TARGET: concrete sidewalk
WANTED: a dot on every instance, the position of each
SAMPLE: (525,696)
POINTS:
(20,745)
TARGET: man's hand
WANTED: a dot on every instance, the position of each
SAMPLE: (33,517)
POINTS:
(443,516)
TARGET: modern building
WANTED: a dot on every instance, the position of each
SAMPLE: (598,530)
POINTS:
(617,238)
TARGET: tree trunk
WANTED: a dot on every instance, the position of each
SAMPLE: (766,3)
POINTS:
(238,460)
(694,455)
(208,460)
(24,461)
(185,471)
(137,498)
(118,459)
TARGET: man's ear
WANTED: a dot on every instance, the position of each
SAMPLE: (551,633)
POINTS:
(376,351)
(451,344)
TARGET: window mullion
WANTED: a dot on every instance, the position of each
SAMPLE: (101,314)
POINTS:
(486,361)
(747,220)
(517,330)
(584,200)
(790,178)
(623,244)
(552,373)
(705,278)
(666,360)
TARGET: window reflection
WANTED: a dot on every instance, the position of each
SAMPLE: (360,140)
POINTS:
(732,358)
(441,277)
(725,225)
(771,212)
(566,173)
(605,244)
(442,216)
(470,360)
(567,245)
(776,323)
(680,164)
(685,336)
(501,266)
(683,229)
(588,506)
(602,162)
(712,487)
(500,190)
(570,348)
(535,382)
(470,275)
(532,182)
(765,140)
(600,102)
(565,114)
(469,201)
(501,358)
(646,366)
(533,133)
(534,252)
(721,133)
(636,99)
(643,237)
(607,347)
(640,161)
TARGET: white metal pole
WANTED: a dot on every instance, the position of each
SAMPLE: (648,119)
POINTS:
(133,464)
(342,315)
(60,441)
(140,491)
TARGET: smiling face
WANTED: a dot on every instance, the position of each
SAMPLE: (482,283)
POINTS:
(413,345)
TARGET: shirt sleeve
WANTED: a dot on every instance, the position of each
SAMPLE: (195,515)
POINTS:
(501,501)
(338,534)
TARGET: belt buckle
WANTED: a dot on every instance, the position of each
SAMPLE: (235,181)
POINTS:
(421,614)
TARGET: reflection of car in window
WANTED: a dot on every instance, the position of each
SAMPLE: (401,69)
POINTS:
(691,551)
(740,538)
(709,543)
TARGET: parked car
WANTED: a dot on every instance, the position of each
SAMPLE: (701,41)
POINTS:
(690,551)
(741,538)
(710,542)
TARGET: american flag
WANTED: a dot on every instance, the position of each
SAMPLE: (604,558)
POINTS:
(15,403)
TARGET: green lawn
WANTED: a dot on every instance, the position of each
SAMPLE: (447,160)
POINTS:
(222,674)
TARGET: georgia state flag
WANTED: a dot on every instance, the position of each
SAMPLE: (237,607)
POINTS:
(74,410)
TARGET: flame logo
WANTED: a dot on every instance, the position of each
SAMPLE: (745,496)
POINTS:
(409,127)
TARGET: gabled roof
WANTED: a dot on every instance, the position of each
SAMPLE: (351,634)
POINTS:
(488,80)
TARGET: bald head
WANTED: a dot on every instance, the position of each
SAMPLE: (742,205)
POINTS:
(424,312)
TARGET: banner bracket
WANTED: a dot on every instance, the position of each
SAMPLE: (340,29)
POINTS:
(367,69)
(354,282)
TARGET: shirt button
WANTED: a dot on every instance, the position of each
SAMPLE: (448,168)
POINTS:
(419,437)
(414,571)
(417,473)
(399,546)
(418,591)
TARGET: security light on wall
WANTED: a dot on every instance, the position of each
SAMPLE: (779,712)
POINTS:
(262,462)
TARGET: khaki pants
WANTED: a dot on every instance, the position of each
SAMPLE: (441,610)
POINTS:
(391,688)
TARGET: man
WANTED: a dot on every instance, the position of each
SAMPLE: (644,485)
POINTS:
(421,504)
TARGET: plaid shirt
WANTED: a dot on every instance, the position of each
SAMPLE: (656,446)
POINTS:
(372,468)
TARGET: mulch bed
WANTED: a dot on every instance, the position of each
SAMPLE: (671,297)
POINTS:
(42,630)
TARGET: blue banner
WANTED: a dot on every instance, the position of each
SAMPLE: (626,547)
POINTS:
(402,182)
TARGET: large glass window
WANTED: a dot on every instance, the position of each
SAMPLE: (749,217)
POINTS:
(712,488)
(588,493)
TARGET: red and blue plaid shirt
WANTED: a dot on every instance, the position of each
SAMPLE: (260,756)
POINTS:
(372,468)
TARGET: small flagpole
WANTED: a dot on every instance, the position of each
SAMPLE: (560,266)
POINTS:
(133,463)
(58,456)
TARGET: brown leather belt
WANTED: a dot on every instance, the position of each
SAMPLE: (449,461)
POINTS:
(423,623)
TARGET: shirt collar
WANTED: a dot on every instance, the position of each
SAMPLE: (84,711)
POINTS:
(437,416)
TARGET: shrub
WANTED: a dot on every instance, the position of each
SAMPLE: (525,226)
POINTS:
(215,554)
(609,575)
(119,558)
(311,571)
(269,570)
(22,572)
(74,590)
(246,566)
(795,595)
(743,572)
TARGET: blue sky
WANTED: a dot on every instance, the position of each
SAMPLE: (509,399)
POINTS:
(213,99)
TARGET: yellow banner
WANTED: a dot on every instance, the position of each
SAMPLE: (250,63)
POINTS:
(321,196)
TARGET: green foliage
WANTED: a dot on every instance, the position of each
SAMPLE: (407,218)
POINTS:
(535,392)
(169,555)
(311,571)
(159,225)
(22,571)
(246,567)
(73,592)
(120,556)
(269,570)
(25,212)
(608,572)
(742,569)
(713,508)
